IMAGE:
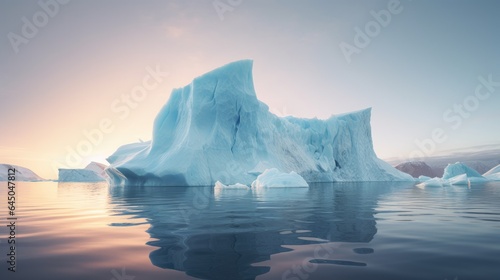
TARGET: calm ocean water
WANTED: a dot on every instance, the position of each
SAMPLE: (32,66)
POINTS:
(329,231)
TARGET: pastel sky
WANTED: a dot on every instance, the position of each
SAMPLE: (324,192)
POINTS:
(66,67)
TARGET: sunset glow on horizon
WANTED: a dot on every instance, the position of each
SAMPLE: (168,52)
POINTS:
(94,74)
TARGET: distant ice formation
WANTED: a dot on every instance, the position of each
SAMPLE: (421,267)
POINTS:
(215,129)
(93,172)
(493,174)
(460,174)
(459,168)
(98,168)
(22,173)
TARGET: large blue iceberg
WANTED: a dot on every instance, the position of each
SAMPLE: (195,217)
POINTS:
(215,129)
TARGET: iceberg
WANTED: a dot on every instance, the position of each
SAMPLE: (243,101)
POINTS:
(493,177)
(493,174)
(459,180)
(492,171)
(215,129)
(237,186)
(273,178)
(98,168)
(93,172)
(423,178)
(459,168)
(433,182)
(22,173)
(456,174)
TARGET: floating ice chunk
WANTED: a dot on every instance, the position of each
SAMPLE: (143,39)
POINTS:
(477,180)
(459,174)
(434,182)
(493,177)
(459,180)
(237,186)
(229,191)
(493,174)
(459,168)
(423,178)
(464,180)
(492,171)
(273,178)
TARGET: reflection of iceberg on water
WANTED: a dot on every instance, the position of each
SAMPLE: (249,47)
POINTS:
(225,237)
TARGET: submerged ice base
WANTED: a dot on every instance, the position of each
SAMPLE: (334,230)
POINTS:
(215,129)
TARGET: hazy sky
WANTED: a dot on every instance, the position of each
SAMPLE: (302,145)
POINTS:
(67,69)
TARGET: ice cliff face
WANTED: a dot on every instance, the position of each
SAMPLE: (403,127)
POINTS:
(215,129)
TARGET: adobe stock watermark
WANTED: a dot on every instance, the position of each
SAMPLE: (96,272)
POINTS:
(283,112)
(121,276)
(455,117)
(40,19)
(363,37)
(121,107)
(224,6)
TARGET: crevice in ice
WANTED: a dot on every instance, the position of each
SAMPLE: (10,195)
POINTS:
(236,128)
(215,89)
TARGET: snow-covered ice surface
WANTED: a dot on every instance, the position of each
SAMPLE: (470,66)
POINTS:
(22,173)
(215,129)
(273,178)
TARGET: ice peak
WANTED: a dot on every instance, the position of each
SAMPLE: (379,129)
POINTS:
(234,75)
